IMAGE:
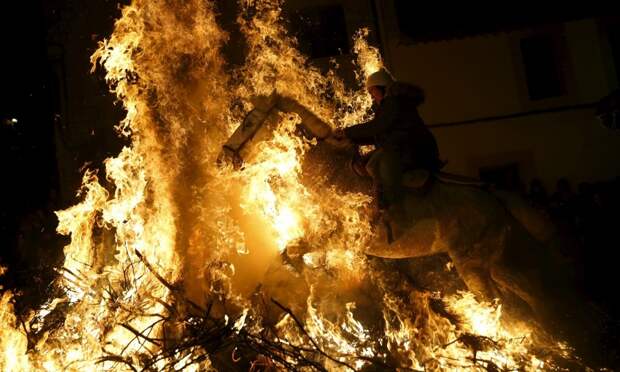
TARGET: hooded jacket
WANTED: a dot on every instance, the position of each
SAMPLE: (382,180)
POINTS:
(397,126)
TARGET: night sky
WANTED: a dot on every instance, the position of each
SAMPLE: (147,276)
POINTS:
(27,112)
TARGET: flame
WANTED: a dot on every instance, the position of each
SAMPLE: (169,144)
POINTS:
(214,231)
(368,57)
(13,343)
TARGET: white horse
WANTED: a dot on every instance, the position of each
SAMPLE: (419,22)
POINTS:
(500,246)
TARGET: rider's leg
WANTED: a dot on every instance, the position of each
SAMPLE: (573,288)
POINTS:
(391,177)
(386,169)
(384,166)
(373,168)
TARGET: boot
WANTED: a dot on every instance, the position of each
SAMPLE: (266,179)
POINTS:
(396,220)
(378,217)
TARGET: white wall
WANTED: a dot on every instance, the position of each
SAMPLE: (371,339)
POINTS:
(483,76)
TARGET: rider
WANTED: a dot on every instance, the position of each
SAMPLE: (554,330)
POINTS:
(401,139)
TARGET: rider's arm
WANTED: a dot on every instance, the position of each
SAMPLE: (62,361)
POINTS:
(362,141)
(382,122)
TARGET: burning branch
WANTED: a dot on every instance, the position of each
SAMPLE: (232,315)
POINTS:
(205,336)
(301,327)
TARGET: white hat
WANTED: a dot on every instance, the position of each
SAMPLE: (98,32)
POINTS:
(381,78)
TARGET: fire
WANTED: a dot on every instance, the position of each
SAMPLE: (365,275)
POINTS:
(13,343)
(271,185)
(212,232)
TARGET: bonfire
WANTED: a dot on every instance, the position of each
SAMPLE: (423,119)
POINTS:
(180,262)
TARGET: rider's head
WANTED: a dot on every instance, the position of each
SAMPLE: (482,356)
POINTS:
(377,84)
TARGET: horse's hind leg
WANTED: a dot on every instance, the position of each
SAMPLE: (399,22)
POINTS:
(476,277)
(489,283)
(520,267)
(527,288)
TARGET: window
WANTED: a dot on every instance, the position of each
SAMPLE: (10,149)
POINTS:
(321,31)
(542,73)
(456,20)
(614,43)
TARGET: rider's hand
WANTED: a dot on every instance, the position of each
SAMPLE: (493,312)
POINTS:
(338,139)
(339,134)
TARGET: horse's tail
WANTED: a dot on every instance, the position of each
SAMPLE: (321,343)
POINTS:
(535,222)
